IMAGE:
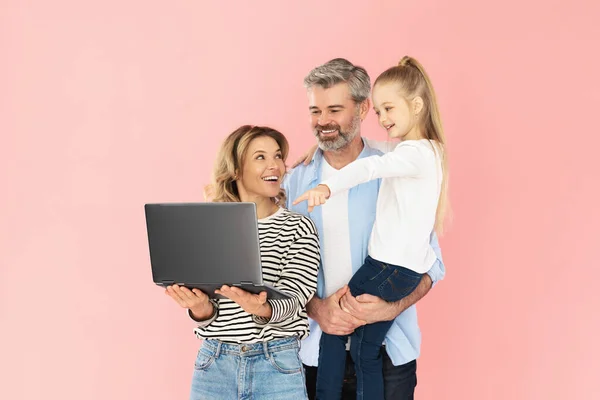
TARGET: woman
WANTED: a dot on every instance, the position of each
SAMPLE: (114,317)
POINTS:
(251,343)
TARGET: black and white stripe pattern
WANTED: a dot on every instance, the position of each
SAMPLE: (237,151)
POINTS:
(289,249)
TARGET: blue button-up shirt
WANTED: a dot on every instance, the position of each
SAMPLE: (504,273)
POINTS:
(403,340)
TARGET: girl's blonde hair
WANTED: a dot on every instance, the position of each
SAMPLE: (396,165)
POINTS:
(230,161)
(410,75)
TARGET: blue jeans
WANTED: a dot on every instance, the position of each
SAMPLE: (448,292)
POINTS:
(267,370)
(389,282)
(399,381)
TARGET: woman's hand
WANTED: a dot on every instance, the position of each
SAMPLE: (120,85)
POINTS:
(251,303)
(195,300)
(306,157)
(315,197)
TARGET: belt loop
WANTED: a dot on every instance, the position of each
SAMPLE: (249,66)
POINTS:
(266,349)
(218,349)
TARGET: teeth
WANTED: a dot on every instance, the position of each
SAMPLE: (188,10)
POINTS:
(270,178)
(328,131)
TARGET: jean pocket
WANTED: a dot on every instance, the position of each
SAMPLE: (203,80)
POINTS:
(204,359)
(398,285)
(375,270)
(286,361)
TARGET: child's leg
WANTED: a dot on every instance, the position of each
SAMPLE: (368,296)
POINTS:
(365,349)
(332,365)
(332,354)
(391,283)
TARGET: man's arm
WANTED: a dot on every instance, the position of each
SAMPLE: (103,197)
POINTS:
(399,306)
(437,272)
(374,309)
(330,317)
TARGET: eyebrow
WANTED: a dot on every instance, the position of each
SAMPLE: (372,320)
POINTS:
(264,151)
(383,104)
(331,106)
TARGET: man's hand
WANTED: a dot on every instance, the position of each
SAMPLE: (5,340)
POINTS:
(329,315)
(251,303)
(369,308)
(374,309)
(306,157)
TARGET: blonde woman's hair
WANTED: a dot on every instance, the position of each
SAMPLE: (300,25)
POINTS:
(410,75)
(230,161)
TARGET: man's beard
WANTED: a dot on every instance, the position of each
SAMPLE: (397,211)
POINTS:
(342,139)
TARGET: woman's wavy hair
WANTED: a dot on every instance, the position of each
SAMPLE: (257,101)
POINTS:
(230,160)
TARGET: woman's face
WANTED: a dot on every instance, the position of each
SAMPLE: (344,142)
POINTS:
(262,171)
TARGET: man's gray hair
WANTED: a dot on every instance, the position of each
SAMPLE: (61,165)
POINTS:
(341,70)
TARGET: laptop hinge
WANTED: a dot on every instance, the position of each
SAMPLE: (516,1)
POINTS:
(246,283)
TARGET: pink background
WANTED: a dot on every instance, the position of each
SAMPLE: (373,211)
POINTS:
(107,105)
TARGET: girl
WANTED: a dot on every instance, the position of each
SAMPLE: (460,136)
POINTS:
(251,343)
(411,203)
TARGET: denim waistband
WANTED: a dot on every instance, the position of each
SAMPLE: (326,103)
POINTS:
(381,264)
(251,349)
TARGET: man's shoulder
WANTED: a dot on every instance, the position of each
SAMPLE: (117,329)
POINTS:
(301,171)
(299,177)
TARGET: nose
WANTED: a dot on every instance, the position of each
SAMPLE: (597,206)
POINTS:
(382,119)
(272,164)
(323,120)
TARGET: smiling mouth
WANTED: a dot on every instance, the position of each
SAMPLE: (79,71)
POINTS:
(271,178)
(388,127)
(328,132)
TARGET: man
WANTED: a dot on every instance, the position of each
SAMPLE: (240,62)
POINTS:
(338,94)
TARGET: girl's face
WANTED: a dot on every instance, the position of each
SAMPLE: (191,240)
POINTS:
(262,171)
(396,114)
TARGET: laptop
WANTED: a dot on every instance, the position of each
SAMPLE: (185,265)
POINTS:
(205,246)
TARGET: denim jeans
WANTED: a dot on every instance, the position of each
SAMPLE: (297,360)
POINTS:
(267,370)
(389,282)
(399,381)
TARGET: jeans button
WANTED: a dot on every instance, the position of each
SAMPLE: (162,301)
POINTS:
(244,348)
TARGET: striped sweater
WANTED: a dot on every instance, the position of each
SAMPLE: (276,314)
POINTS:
(289,249)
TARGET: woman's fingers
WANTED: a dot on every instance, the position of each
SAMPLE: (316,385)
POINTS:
(262,297)
(189,295)
(173,293)
(200,294)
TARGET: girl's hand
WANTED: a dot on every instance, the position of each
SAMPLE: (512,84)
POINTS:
(306,157)
(194,299)
(251,303)
(315,197)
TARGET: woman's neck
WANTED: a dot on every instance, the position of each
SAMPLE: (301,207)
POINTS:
(264,205)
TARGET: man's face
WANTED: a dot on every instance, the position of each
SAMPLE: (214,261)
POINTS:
(334,116)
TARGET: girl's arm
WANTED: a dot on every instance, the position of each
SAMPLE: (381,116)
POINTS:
(385,146)
(407,160)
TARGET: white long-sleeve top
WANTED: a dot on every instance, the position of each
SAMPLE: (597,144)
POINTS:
(407,202)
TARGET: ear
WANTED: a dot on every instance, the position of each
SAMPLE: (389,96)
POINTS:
(364,108)
(417,104)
